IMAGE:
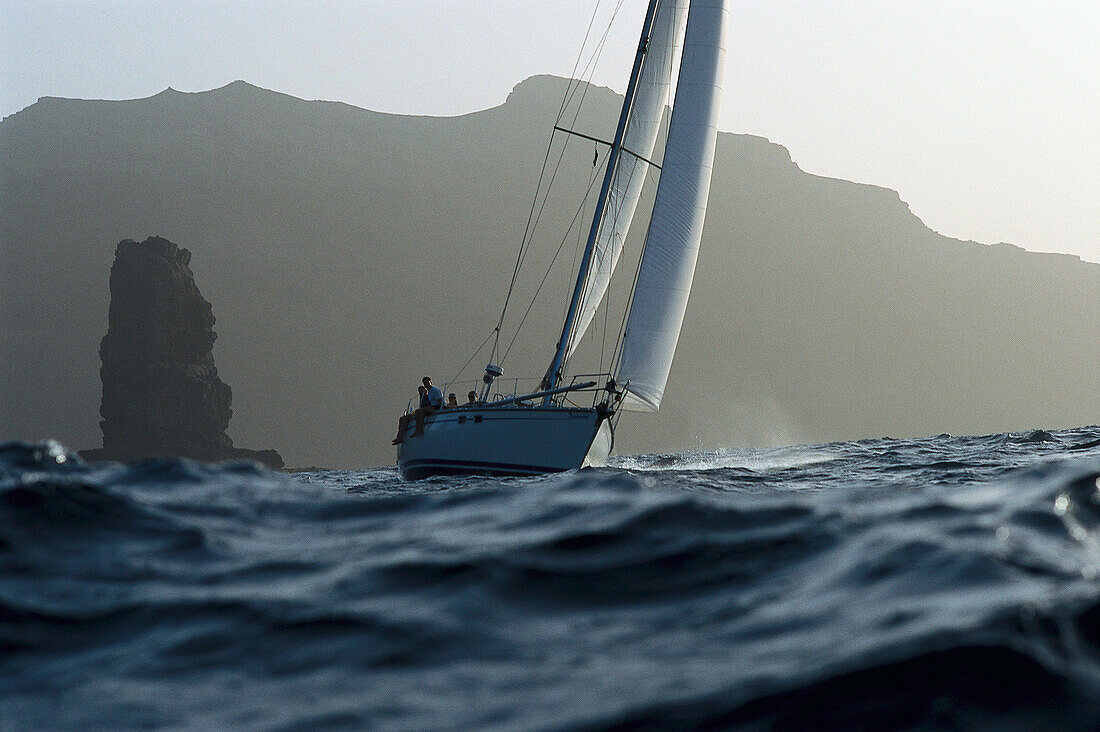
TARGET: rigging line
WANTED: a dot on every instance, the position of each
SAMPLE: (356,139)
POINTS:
(590,67)
(576,116)
(603,333)
(620,337)
(585,285)
(597,140)
(528,233)
(614,210)
(496,345)
(571,90)
(580,235)
(473,355)
(538,218)
(607,291)
(572,266)
(561,156)
(547,273)
(524,243)
(531,226)
(527,245)
(588,70)
(626,311)
(580,54)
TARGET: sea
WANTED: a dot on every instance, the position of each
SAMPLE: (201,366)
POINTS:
(941,583)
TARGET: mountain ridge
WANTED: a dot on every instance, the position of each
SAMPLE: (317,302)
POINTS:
(332,239)
(517,94)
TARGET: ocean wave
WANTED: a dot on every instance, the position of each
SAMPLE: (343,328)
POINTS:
(959,687)
(947,582)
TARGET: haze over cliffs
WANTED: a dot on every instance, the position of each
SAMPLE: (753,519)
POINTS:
(349,252)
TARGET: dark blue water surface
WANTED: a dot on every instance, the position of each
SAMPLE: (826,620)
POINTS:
(948,582)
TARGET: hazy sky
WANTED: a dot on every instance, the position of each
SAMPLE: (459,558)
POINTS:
(984,115)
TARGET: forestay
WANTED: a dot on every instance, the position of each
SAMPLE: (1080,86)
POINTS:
(640,138)
(676,226)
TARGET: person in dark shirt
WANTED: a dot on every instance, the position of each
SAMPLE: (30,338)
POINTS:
(471,399)
(431,401)
(435,403)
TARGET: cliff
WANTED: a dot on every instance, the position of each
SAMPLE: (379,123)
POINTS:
(350,252)
(161,392)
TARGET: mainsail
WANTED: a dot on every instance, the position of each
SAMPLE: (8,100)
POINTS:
(676,226)
(641,136)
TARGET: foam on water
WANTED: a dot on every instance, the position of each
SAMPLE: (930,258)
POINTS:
(759,459)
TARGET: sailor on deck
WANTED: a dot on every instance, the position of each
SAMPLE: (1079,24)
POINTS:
(431,401)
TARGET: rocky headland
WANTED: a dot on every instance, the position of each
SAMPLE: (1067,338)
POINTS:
(161,392)
(822,309)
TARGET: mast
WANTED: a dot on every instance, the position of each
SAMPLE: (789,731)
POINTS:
(554,373)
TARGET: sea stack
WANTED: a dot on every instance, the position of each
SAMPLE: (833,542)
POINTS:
(161,393)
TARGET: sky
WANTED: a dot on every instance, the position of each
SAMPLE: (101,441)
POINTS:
(984,115)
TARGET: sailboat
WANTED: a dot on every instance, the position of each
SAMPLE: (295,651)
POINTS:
(544,431)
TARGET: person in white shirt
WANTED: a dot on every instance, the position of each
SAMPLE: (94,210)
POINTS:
(431,401)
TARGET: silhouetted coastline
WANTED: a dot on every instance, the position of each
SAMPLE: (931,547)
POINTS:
(822,309)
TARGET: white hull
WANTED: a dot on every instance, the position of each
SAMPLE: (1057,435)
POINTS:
(505,440)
